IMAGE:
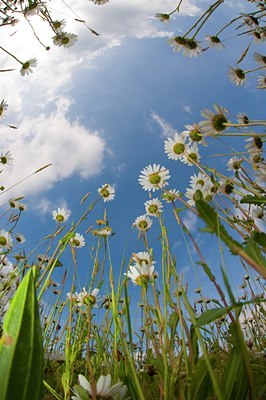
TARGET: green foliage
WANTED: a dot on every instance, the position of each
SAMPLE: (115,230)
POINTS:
(259,201)
(21,354)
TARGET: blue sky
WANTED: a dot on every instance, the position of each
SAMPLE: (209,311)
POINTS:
(100,112)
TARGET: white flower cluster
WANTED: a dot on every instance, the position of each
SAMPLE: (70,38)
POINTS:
(85,298)
(142,270)
(201,188)
(104,389)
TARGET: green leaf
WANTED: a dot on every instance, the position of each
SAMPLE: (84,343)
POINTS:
(254,252)
(207,270)
(253,200)
(201,385)
(21,354)
(173,321)
(260,238)
(211,315)
(210,217)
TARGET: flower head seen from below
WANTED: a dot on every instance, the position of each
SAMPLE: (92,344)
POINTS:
(142,270)
(165,18)
(107,192)
(104,390)
(142,223)
(261,82)
(153,207)
(88,299)
(234,164)
(61,215)
(194,134)
(20,238)
(215,121)
(99,2)
(176,147)
(33,8)
(59,25)
(214,42)
(154,177)
(6,158)
(77,241)
(65,39)
(242,118)
(237,76)
(5,240)
(260,59)
(26,68)
(191,156)
(190,47)
(3,108)
(170,195)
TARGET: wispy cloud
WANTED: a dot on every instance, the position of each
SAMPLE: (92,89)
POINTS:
(191,221)
(166,128)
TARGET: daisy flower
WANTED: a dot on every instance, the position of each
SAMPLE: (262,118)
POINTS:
(72,296)
(143,257)
(3,107)
(258,212)
(103,389)
(194,133)
(178,43)
(86,298)
(254,144)
(237,76)
(61,215)
(104,232)
(250,20)
(191,155)
(65,39)
(77,241)
(21,207)
(234,164)
(59,25)
(141,272)
(165,18)
(142,223)
(214,41)
(255,156)
(5,240)
(192,48)
(198,194)
(176,147)
(258,35)
(260,172)
(153,207)
(107,192)
(260,59)
(200,181)
(100,2)
(20,238)
(170,195)
(26,67)
(154,177)
(33,9)
(261,82)
(6,158)
(242,118)
(214,122)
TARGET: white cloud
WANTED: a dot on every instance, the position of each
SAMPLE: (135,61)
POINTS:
(191,221)
(166,128)
(51,138)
